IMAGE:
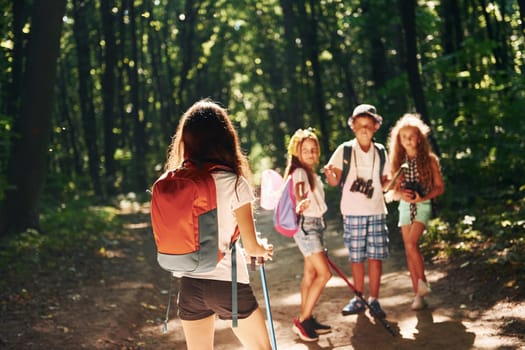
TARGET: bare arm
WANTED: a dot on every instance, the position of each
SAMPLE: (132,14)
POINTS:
(252,246)
(333,174)
(300,193)
(385,181)
(438,186)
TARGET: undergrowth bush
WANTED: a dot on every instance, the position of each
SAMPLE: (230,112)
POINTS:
(493,229)
(72,228)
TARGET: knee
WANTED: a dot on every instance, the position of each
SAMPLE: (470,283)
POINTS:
(411,247)
(324,276)
(308,277)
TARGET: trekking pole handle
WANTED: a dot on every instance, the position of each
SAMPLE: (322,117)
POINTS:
(256,261)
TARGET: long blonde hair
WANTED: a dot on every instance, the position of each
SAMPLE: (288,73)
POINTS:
(205,134)
(424,153)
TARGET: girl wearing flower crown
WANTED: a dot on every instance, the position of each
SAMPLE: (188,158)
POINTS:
(303,157)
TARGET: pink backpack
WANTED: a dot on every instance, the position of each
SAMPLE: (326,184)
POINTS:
(279,195)
(285,219)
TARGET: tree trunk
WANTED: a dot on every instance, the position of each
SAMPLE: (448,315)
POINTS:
(291,81)
(408,20)
(311,48)
(176,110)
(137,114)
(14,92)
(451,38)
(28,161)
(161,79)
(70,137)
(85,91)
(499,47)
(186,42)
(378,61)
(108,93)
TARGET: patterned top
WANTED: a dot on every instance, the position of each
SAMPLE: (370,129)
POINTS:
(411,182)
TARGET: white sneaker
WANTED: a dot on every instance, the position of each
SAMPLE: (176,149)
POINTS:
(423,288)
(419,303)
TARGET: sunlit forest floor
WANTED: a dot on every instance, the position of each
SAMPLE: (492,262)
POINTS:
(116,299)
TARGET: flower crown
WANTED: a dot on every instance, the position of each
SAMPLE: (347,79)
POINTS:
(297,138)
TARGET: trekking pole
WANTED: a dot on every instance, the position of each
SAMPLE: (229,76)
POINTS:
(164,328)
(266,299)
(358,294)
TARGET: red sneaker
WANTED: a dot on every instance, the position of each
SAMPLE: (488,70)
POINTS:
(305,330)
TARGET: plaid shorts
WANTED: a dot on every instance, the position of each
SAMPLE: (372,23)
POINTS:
(366,237)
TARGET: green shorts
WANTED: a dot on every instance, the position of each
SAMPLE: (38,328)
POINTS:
(423,214)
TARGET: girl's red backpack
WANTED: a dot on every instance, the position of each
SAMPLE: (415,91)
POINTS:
(184,218)
(185,224)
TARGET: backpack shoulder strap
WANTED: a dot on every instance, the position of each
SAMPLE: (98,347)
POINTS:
(382,157)
(347,157)
(217,167)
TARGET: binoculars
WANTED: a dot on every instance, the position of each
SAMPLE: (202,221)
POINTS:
(365,187)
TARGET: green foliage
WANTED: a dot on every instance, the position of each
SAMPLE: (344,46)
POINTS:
(73,227)
(491,230)
(256,58)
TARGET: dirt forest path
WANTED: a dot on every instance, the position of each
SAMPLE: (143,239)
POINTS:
(119,303)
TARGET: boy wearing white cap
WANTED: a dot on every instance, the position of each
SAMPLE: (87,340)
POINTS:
(360,167)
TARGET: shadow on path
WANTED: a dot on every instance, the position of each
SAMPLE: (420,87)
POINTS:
(429,335)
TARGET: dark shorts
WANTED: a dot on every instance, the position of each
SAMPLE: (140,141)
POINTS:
(200,298)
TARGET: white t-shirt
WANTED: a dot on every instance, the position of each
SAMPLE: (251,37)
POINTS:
(357,203)
(317,202)
(228,200)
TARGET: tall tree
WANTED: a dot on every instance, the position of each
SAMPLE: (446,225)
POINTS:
(20,13)
(161,86)
(452,38)
(28,162)
(292,59)
(311,47)
(74,157)
(186,41)
(495,33)
(378,60)
(109,85)
(408,20)
(85,90)
(137,112)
